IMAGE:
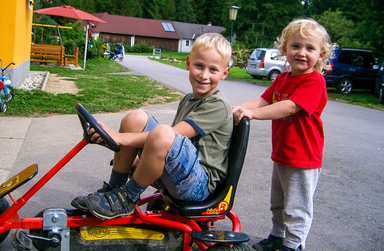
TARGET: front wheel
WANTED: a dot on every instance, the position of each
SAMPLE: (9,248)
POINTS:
(4,106)
(345,86)
(235,247)
(4,205)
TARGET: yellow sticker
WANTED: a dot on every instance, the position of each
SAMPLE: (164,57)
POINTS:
(119,232)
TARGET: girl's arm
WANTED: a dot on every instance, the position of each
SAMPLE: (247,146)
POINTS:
(264,111)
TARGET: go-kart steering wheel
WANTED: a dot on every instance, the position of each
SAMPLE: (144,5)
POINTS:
(87,122)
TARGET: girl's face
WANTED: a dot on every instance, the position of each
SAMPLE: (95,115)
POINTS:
(303,53)
(206,68)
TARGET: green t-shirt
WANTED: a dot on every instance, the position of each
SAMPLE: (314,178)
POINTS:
(212,118)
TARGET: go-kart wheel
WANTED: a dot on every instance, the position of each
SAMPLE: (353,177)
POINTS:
(4,106)
(4,205)
(235,247)
(87,122)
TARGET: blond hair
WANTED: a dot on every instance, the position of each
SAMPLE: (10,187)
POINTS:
(214,41)
(308,27)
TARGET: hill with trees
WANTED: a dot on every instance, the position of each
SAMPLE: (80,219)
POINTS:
(351,23)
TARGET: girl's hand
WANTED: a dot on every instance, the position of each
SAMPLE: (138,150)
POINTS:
(240,112)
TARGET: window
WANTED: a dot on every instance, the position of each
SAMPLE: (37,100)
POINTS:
(167,27)
(187,43)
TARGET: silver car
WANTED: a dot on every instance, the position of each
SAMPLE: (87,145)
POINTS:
(264,63)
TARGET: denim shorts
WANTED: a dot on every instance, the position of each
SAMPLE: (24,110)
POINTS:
(184,178)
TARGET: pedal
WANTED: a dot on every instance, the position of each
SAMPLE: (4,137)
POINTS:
(220,236)
(20,241)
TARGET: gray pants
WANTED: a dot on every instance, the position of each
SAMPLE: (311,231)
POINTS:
(292,194)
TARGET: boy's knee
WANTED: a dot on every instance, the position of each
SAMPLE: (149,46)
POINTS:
(161,136)
(134,122)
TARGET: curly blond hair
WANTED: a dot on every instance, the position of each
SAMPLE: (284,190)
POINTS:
(308,27)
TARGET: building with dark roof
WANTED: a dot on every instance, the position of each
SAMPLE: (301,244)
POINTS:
(166,35)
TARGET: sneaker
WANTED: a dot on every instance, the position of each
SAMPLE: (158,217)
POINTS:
(273,243)
(79,201)
(111,204)
(284,248)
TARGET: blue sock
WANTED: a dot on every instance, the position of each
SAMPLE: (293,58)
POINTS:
(134,189)
(117,179)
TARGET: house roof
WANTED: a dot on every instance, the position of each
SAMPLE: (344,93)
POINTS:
(193,31)
(135,26)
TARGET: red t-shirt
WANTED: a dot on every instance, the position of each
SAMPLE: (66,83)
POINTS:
(298,140)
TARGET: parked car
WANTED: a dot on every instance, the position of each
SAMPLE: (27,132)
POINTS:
(264,62)
(353,69)
(379,90)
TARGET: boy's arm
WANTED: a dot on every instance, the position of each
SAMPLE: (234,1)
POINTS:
(135,140)
(185,129)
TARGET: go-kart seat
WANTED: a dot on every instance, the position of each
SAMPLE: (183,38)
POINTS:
(221,201)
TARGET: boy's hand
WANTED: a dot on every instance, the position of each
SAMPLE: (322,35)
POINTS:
(96,137)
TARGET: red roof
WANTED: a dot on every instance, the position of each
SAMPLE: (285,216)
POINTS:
(133,26)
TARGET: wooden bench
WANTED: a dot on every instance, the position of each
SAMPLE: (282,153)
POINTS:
(44,53)
(73,59)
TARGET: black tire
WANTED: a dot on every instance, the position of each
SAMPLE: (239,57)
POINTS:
(381,95)
(345,86)
(273,74)
(235,247)
(11,91)
(4,106)
(256,77)
(4,205)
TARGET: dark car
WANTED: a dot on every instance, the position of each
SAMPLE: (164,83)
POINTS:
(379,90)
(353,69)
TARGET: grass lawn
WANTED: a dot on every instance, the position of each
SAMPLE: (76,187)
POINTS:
(100,91)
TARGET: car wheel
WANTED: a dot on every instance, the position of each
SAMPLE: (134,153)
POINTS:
(273,74)
(381,95)
(345,86)
(256,77)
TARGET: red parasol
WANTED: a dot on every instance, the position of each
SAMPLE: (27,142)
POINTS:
(68,11)
(71,12)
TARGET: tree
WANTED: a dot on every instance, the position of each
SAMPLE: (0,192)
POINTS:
(340,29)
(185,11)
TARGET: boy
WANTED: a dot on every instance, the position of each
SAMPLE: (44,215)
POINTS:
(189,158)
(294,103)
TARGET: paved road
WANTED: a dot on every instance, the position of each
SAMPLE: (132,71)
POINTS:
(350,196)
(348,201)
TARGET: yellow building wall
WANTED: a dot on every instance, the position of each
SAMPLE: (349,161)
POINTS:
(15,38)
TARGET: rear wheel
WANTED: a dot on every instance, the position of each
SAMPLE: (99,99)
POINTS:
(11,91)
(381,95)
(4,205)
(273,74)
(345,86)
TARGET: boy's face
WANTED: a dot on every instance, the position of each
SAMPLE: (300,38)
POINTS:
(303,53)
(206,68)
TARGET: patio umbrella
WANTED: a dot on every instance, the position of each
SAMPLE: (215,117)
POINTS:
(71,12)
